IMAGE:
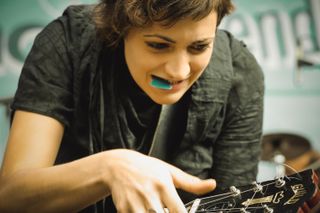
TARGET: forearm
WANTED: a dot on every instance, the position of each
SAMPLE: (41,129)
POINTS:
(64,188)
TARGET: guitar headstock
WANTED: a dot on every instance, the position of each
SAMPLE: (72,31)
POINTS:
(285,195)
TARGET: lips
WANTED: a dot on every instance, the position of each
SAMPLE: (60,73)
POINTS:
(162,83)
(175,82)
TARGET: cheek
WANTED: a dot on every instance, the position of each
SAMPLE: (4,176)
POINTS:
(138,60)
(134,62)
(201,62)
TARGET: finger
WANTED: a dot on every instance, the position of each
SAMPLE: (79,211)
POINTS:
(151,210)
(155,206)
(172,200)
(190,183)
(131,204)
(164,210)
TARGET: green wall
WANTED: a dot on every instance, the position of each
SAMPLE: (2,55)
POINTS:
(20,21)
(270,28)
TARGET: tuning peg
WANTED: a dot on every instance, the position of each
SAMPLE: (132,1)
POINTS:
(235,192)
(257,187)
(280,182)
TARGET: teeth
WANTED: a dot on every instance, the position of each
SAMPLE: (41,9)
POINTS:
(174,82)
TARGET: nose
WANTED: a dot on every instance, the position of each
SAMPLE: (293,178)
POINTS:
(178,66)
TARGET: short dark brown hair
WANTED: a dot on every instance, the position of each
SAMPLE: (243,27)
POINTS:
(114,18)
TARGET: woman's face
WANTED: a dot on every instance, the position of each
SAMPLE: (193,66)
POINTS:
(177,56)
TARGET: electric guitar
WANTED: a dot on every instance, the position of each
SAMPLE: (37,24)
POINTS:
(290,194)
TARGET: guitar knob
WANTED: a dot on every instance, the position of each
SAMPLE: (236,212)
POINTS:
(280,182)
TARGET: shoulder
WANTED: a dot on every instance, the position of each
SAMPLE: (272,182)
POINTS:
(232,71)
(78,26)
(74,30)
(58,64)
(78,19)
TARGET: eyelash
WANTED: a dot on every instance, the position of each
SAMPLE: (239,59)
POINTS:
(157,45)
(198,48)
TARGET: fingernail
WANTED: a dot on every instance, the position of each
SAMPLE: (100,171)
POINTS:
(214,181)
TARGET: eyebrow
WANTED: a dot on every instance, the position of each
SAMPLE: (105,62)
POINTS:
(173,41)
(160,36)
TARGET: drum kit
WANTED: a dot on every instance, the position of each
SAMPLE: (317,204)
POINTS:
(290,154)
(293,151)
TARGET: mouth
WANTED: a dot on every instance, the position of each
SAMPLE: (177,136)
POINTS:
(162,83)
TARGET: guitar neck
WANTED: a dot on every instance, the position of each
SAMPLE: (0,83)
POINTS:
(295,193)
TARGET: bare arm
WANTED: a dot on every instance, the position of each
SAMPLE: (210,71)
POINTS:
(28,177)
(137,182)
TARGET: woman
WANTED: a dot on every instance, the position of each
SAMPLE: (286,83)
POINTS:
(131,100)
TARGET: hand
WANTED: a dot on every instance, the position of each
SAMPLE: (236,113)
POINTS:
(140,183)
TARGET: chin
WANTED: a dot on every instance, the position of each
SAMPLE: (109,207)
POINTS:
(167,99)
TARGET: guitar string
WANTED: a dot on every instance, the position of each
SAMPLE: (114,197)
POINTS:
(209,197)
(230,194)
(230,210)
(253,196)
(295,171)
(255,208)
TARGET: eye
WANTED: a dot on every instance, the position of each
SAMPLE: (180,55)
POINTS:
(198,48)
(157,45)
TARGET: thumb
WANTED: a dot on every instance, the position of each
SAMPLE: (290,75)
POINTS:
(190,183)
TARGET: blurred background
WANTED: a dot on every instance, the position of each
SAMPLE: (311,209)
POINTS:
(284,35)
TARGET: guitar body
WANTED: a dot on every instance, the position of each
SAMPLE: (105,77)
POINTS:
(290,194)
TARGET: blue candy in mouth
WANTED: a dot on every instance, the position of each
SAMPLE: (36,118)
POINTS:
(160,83)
